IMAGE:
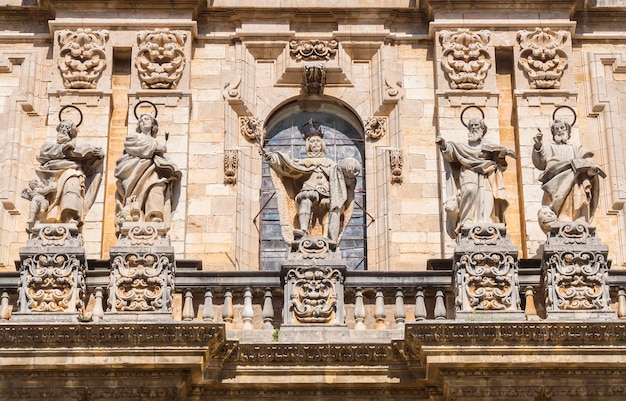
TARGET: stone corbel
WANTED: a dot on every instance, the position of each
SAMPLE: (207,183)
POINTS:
(465,59)
(396,160)
(160,60)
(313,77)
(82,57)
(231,164)
(232,94)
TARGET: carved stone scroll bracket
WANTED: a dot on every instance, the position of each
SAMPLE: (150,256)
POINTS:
(252,129)
(575,273)
(314,77)
(396,160)
(542,56)
(82,57)
(313,293)
(142,271)
(52,271)
(232,94)
(231,165)
(160,60)
(465,59)
(376,127)
(486,274)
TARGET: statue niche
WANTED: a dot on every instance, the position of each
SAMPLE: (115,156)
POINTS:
(315,194)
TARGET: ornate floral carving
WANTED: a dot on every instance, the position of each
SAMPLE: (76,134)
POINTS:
(160,60)
(576,281)
(82,57)
(141,282)
(251,128)
(465,59)
(376,127)
(314,74)
(52,283)
(313,296)
(542,56)
(231,164)
(396,160)
(485,234)
(313,49)
(487,279)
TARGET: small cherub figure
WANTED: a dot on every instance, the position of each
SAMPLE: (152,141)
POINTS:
(36,193)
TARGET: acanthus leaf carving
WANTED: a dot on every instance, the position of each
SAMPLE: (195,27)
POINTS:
(251,128)
(82,58)
(231,164)
(543,57)
(313,49)
(160,60)
(314,76)
(396,160)
(465,58)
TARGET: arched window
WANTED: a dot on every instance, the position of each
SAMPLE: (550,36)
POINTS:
(343,139)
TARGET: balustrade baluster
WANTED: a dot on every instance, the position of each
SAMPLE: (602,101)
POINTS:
(530,310)
(98,307)
(380,315)
(247,312)
(440,305)
(400,311)
(188,306)
(207,309)
(420,305)
(228,313)
(359,310)
(5,311)
(268,310)
(621,303)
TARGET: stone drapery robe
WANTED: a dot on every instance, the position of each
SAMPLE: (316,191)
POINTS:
(140,169)
(570,180)
(475,185)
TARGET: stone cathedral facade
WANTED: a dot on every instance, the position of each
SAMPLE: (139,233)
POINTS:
(225,200)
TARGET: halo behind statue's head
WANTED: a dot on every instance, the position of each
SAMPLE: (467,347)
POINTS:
(556,119)
(65,109)
(309,130)
(155,122)
(466,124)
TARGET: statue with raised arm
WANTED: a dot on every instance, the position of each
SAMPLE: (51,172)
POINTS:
(570,178)
(148,183)
(475,185)
(70,176)
(315,194)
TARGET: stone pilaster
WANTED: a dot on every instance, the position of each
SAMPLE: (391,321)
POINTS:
(486,274)
(574,273)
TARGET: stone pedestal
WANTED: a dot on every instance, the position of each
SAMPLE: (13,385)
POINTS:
(313,278)
(486,274)
(52,273)
(142,271)
(574,273)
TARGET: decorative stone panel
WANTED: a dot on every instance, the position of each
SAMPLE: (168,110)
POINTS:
(376,127)
(160,60)
(82,57)
(465,59)
(543,57)
(396,160)
(312,49)
(231,164)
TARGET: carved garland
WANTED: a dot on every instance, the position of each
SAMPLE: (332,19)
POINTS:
(542,57)
(465,58)
(82,57)
(161,59)
(313,49)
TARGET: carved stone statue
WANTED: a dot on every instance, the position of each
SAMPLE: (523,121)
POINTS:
(70,176)
(570,178)
(148,183)
(475,186)
(315,194)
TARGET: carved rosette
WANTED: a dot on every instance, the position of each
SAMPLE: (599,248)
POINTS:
(575,269)
(465,59)
(141,282)
(82,58)
(313,49)
(395,163)
(313,295)
(160,60)
(376,127)
(251,128)
(231,163)
(487,280)
(542,56)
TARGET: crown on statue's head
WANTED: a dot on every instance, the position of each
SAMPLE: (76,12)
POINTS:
(309,130)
